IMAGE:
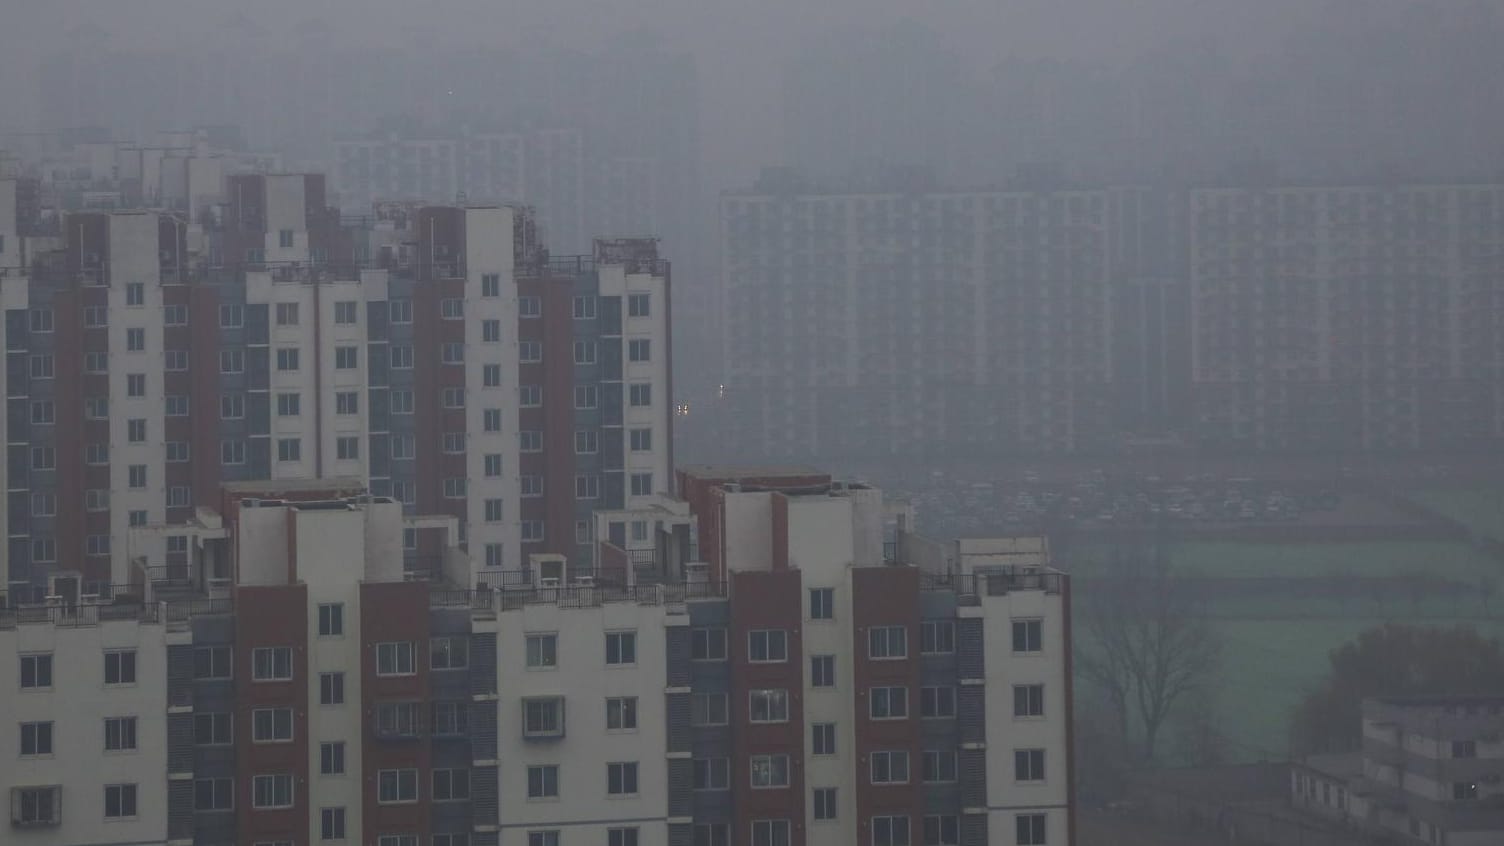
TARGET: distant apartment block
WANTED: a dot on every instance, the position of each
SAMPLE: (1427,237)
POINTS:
(761,667)
(441,356)
(1431,771)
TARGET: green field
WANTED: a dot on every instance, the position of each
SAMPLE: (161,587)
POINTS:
(1276,646)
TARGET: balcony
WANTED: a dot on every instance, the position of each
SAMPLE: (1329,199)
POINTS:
(81,614)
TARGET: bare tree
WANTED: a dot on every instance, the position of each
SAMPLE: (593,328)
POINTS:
(1149,646)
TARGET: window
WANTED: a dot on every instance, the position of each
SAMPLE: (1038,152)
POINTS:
(271,791)
(331,619)
(400,311)
(36,806)
(1027,635)
(394,658)
(621,648)
(1029,829)
(271,725)
(397,840)
(284,240)
(621,778)
(213,794)
(271,663)
(1028,700)
(289,449)
(492,464)
(393,786)
(331,688)
(708,709)
(640,395)
(346,358)
(490,284)
(543,782)
(707,644)
(175,361)
(941,831)
(119,801)
(1461,790)
(232,406)
(97,408)
(769,771)
(179,496)
(43,550)
(232,452)
(401,356)
(452,309)
(621,713)
(332,758)
(888,703)
(135,293)
(712,774)
(937,702)
(36,739)
(642,440)
(584,352)
(825,803)
(287,314)
(96,362)
(214,729)
(530,396)
(96,317)
(449,653)
(490,375)
(621,837)
(529,440)
(43,458)
(767,646)
(176,405)
(332,820)
(587,486)
(178,452)
(823,738)
(543,716)
(639,349)
(120,667)
(459,838)
(43,412)
(586,441)
(937,637)
(450,719)
(452,353)
(345,313)
(288,359)
(1028,765)
(529,352)
(530,485)
(938,765)
(708,834)
(36,672)
(1464,749)
(768,706)
(231,361)
(451,785)
(231,316)
(490,332)
(822,671)
(42,366)
(100,544)
(890,767)
(642,484)
(175,314)
(41,320)
(211,662)
(44,505)
(890,831)
(770,833)
(454,487)
(94,454)
(887,642)
(493,510)
(584,307)
(347,448)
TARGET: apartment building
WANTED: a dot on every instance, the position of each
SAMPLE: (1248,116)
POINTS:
(455,368)
(1430,771)
(805,683)
(1347,317)
(911,320)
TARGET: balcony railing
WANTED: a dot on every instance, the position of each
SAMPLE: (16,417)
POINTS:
(999,582)
(80,614)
